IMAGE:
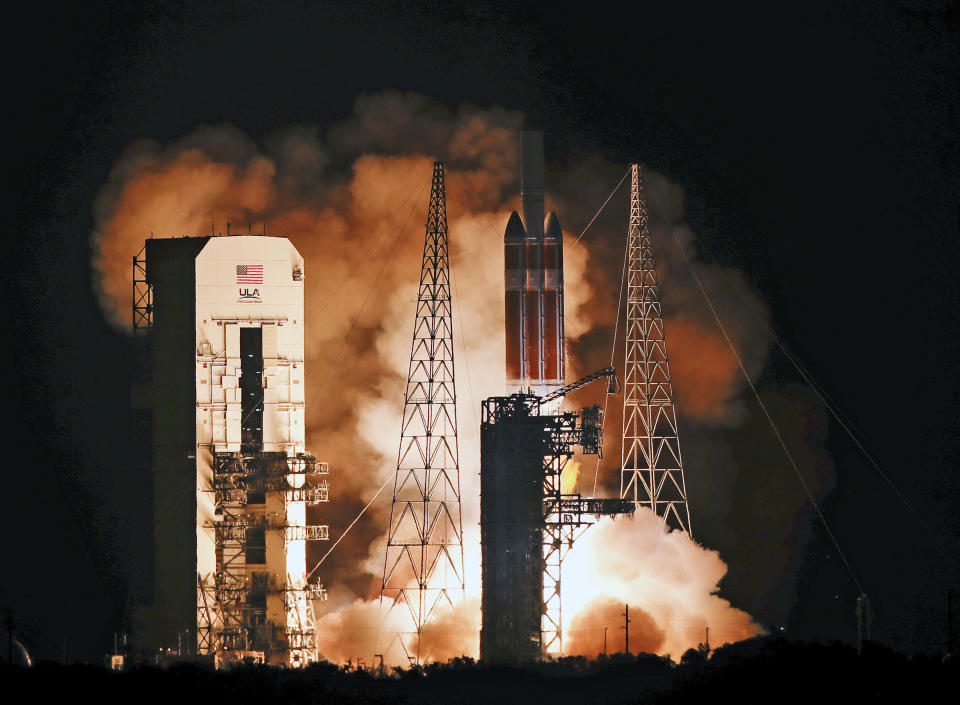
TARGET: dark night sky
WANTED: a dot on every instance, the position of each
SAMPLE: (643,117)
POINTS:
(817,145)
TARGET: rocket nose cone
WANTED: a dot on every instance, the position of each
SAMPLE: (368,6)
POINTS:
(514,227)
(551,227)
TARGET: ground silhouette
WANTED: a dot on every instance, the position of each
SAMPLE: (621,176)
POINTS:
(763,669)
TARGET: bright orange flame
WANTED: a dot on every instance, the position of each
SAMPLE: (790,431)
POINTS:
(570,477)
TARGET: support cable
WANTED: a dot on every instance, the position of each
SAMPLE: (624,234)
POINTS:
(453,276)
(597,214)
(830,405)
(174,502)
(463,346)
(846,425)
(347,530)
(613,352)
(756,394)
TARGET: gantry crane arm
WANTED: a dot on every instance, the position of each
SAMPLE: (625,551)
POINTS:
(563,391)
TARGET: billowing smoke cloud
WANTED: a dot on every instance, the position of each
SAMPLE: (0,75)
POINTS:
(353,201)
(600,627)
(670,579)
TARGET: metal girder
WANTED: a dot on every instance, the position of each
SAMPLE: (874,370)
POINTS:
(423,562)
(651,465)
(224,615)
(142,293)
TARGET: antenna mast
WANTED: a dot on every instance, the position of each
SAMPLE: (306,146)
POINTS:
(423,566)
(651,466)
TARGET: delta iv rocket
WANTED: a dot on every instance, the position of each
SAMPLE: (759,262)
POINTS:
(533,278)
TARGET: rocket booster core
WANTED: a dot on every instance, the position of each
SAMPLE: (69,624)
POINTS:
(533,279)
(531,183)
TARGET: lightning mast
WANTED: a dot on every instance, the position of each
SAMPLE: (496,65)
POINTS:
(651,465)
(423,566)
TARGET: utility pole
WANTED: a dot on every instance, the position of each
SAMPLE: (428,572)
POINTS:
(626,627)
(604,641)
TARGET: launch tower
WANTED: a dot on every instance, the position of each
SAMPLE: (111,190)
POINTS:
(527,521)
(651,465)
(232,480)
(423,566)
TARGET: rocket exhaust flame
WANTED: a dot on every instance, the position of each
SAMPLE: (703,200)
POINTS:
(570,477)
(343,222)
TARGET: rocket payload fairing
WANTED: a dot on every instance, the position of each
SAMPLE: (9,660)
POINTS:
(533,278)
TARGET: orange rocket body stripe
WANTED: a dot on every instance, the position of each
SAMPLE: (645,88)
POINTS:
(532,333)
(513,320)
(551,333)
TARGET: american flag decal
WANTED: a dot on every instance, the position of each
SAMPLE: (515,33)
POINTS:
(249,274)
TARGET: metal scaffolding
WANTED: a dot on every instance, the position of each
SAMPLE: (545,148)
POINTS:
(226,380)
(142,293)
(232,612)
(566,515)
(651,465)
(527,523)
(423,565)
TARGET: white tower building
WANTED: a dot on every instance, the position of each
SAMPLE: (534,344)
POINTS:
(232,478)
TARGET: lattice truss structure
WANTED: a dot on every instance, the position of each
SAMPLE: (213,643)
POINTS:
(232,612)
(142,293)
(565,515)
(423,566)
(651,464)
(528,524)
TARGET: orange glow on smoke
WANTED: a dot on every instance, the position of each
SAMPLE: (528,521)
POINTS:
(704,372)
(360,232)
(603,617)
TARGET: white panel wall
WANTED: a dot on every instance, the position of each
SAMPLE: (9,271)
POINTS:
(224,306)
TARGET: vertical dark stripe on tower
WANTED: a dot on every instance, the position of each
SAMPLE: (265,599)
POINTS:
(251,389)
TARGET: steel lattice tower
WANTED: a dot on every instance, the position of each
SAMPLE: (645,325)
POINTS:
(423,566)
(651,465)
